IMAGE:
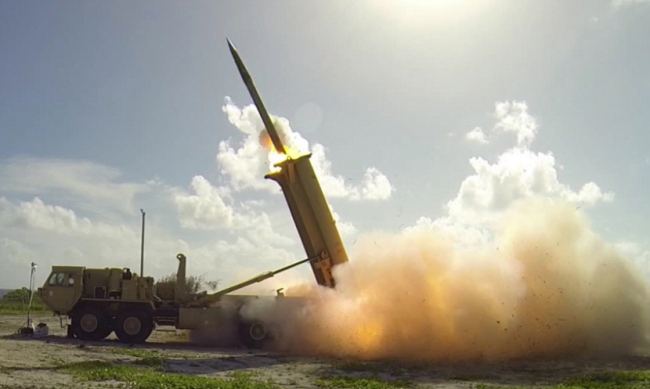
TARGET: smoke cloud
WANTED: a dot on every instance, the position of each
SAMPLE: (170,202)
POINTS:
(548,287)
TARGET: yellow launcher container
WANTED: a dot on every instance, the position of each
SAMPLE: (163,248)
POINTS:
(312,216)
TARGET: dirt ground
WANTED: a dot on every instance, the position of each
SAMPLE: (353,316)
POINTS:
(27,362)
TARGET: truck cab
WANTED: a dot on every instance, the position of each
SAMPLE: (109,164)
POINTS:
(63,288)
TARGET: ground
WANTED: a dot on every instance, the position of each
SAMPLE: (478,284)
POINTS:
(169,360)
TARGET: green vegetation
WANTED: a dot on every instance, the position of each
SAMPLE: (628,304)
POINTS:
(474,377)
(193,284)
(375,368)
(137,377)
(136,352)
(17,301)
(101,371)
(608,380)
(149,357)
(360,383)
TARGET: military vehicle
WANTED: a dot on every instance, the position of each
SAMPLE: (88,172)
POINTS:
(96,302)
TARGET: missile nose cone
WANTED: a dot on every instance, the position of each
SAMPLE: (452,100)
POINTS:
(248,81)
(231,46)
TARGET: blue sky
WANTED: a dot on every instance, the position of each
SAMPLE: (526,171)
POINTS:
(108,107)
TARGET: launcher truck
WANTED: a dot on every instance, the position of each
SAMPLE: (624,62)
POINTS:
(95,302)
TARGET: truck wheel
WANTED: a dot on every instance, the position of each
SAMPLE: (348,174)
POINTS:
(253,334)
(133,326)
(90,323)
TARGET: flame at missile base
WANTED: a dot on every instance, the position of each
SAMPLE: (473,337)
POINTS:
(549,287)
(273,156)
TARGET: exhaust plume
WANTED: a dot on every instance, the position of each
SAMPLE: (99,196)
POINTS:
(548,287)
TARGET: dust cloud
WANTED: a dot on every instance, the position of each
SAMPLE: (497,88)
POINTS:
(548,287)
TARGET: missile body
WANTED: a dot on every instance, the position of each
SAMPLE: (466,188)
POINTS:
(266,119)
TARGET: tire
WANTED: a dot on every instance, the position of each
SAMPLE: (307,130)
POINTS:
(90,323)
(133,326)
(253,334)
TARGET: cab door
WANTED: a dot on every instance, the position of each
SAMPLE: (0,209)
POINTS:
(62,290)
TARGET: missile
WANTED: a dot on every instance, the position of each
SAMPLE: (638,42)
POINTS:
(266,119)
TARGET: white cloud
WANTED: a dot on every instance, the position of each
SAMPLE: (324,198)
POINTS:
(245,164)
(206,209)
(477,135)
(376,185)
(53,235)
(518,173)
(37,215)
(15,253)
(345,228)
(464,236)
(514,117)
(86,183)
(619,3)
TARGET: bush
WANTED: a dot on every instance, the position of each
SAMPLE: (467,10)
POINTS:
(193,284)
(18,301)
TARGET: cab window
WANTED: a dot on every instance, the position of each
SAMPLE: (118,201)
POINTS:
(57,279)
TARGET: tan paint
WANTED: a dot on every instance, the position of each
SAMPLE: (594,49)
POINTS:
(312,216)
(62,288)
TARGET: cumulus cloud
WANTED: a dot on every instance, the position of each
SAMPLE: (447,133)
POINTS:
(462,235)
(54,235)
(514,117)
(346,229)
(86,183)
(511,117)
(477,135)
(376,185)
(517,173)
(209,208)
(37,215)
(15,253)
(246,162)
(206,207)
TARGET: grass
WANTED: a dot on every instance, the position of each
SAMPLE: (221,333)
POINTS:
(374,368)
(617,379)
(146,376)
(608,380)
(17,310)
(360,383)
(101,371)
(474,377)
(150,357)
(136,377)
